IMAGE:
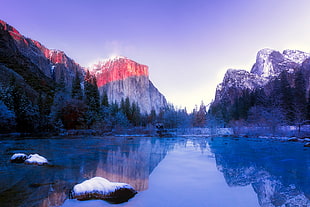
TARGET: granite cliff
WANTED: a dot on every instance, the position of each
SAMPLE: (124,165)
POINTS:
(38,85)
(268,66)
(277,84)
(53,64)
(121,77)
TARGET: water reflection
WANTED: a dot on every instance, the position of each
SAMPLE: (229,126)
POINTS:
(119,159)
(278,172)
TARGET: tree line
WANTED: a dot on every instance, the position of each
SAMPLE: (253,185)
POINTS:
(81,107)
(283,101)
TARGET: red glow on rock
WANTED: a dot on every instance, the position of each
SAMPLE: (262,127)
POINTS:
(57,56)
(118,69)
(4,24)
(43,49)
(16,36)
(13,32)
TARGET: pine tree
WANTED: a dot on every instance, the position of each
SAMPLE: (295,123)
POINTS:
(152,117)
(199,116)
(286,98)
(135,114)
(300,102)
(105,100)
(125,108)
(76,88)
(114,108)
(92,97)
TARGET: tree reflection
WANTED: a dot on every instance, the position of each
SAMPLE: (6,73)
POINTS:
(278,172)
(119,159)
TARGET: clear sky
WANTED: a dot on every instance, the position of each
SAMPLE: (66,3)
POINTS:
(187,44)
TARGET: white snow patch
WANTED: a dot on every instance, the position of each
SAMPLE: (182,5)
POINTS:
(52,69)
(296,55)
(36,159)
(18,155)
(98,185)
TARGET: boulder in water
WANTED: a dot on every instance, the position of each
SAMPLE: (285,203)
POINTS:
(101,188)
(19,158)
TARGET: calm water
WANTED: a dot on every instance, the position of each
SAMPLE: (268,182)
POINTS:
(178,172)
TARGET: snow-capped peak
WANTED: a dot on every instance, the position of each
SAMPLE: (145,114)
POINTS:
(296,55)
(266,60)
(116,57)
(98,65)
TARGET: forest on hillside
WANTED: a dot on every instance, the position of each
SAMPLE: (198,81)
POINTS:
(57,109)
(281,102)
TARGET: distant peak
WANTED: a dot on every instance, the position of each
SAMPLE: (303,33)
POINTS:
(265,52)
(296,55)
(117,68)
(99,64)
(116,57)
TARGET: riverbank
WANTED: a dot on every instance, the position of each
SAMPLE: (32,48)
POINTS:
(286,133)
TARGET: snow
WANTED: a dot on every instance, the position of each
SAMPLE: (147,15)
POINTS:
(296,55)
(98,185)
(263,63)
(52,69)
(97,66)
(18,156)
(36,159)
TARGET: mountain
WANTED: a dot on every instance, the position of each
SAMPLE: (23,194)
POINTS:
(31,76)
(280,79)
(43,88)
(119,77)
(269,64)
(54,64)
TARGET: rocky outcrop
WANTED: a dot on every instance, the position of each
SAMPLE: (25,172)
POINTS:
(121,77)
(117,68)
(236,81)
(40,68)
(54,64)
(269,64)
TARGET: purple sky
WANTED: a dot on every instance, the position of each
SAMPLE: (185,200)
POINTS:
(188,44)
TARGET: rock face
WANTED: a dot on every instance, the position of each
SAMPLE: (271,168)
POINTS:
(117,68)
(269,64)
(38,69)
(121,77)
(52,64)
(236,81)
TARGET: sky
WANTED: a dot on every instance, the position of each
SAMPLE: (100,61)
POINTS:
(187,44)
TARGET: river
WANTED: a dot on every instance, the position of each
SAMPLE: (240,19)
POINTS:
(178,171)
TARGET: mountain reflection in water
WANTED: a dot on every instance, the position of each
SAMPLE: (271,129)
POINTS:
(166,172)
(119,159)
(279,172)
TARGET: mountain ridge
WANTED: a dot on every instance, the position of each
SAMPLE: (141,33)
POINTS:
(278,83)
(57,66)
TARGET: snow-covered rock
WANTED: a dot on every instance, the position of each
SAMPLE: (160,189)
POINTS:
(296,55)
(236,81)
(35,159)
(19,157)
(101,188)
(268,66)
(266,63)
